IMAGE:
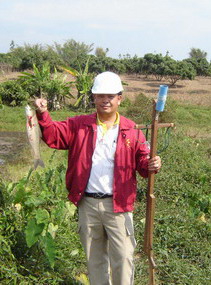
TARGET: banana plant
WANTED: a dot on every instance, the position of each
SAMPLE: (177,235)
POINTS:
(39,78)
(42,83)
(83,83)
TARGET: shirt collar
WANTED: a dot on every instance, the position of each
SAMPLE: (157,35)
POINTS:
(104,127)
(115,123)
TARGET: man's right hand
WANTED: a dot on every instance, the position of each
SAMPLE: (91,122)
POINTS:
(41,105)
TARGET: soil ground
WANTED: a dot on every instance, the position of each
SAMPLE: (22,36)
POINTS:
(11,143)
(195,92)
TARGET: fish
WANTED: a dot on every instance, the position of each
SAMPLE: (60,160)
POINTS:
(34,135)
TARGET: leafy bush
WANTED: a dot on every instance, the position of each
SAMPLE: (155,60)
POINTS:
(126,102)
(137,112)
(13,94)
(83,83)
(33,212)
(38,83)
(37,80)
(57,90)
(141,110)
(42,83)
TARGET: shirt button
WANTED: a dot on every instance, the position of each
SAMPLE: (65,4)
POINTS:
(80,193)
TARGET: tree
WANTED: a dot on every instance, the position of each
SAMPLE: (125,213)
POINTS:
(100,64)
(25,57)
(97,64)
(132,64)
(154,64)
(5,65)
(12,45)
(100,52)
(73,52)
(201,65)
(114,65)
(165,66)
(197,53)
(178,70)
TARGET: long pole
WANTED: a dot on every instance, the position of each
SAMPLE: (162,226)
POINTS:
(150,210)
(158,106)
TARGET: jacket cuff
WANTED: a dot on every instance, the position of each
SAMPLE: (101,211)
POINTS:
(43,118)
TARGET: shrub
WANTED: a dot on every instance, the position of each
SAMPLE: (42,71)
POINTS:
(34,215)
(13,94)
(141,110)
(126,102)
(83,82)
(38,83)
(41,82)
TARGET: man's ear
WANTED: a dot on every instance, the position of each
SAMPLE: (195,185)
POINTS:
(120,100)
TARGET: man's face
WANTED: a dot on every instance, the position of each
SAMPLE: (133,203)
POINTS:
(107,103)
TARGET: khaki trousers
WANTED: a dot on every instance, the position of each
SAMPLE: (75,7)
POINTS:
(108,241)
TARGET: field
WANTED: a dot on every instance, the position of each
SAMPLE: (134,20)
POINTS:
(183,201)
(194,92)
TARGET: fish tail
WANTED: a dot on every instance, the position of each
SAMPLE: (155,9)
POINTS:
(38,162)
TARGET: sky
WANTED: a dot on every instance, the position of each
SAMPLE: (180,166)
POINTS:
(134,27)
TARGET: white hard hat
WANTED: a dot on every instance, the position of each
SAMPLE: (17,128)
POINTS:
(107,83)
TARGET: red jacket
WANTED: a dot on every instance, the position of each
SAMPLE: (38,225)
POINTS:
(78,135)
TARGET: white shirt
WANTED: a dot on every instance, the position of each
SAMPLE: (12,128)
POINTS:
(102,171)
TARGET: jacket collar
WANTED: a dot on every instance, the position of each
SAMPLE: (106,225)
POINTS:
(126,124)
(90,119)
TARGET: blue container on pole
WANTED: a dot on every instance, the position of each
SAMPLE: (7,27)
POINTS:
(162,95)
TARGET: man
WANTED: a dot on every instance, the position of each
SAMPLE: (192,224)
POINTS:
(105,151)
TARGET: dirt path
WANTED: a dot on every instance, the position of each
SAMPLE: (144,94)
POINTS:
(11,143)
(9,76)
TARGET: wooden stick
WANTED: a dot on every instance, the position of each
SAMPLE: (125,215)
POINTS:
(161,125)
(150,209)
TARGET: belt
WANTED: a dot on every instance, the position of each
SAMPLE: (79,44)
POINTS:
(98,195)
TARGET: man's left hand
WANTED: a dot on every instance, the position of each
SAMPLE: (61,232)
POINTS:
(154,164)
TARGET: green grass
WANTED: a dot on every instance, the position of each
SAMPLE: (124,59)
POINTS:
(182,220)
(195,117)
(14,119)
